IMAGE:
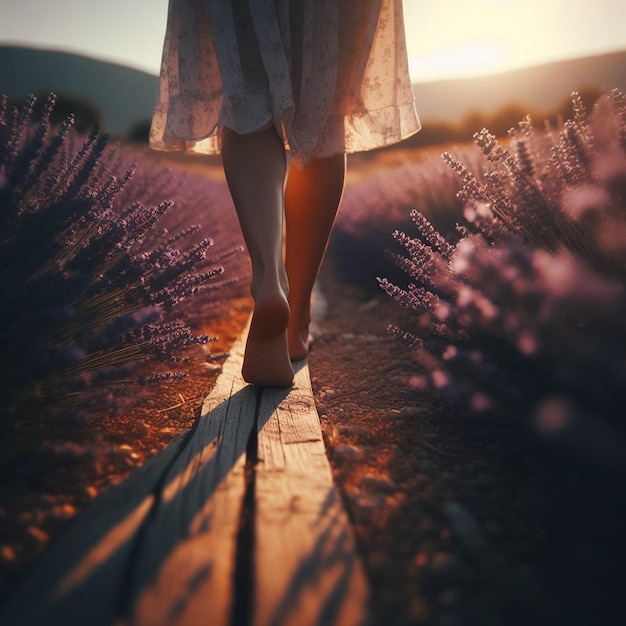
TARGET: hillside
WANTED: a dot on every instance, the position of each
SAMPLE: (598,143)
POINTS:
(126,96)
(540,88)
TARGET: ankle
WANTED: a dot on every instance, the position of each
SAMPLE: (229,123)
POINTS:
(269,286)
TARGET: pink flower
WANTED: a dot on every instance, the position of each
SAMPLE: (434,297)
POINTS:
(440,379)
(553,415)
(449,353)
(480,402)
(564,277)
(527,342)
(579,202)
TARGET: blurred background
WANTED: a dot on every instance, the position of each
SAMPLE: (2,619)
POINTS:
(468,58)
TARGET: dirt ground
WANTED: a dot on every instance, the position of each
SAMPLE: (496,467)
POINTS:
(423,494)
(458,523)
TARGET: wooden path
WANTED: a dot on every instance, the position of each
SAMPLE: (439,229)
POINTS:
(235,523)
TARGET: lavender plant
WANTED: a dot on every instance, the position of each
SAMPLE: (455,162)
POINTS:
(92,273)
(522,312)
(426,182)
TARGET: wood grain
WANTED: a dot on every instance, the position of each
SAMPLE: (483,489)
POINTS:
(307,569)
(236,522)
(185,566)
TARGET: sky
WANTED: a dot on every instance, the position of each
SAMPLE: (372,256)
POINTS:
(445,38)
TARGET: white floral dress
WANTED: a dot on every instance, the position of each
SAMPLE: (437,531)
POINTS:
(330,75)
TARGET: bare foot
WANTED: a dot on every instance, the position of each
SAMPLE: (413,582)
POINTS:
(299,343)
(266,360)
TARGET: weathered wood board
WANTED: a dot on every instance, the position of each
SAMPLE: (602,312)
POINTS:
(236,522)
(307,570)
(184,569)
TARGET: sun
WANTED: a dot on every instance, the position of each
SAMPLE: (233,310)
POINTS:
(457,38)
(460,38)
(471,57)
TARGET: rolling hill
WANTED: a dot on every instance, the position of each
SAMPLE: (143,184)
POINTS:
(126,96)
(540,88)
(123,95)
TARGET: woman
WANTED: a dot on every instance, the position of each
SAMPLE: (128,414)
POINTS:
(261,80)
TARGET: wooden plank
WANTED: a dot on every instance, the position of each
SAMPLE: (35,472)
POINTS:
(306,567)
(184,570)
(174,544)
(160,546)
(77,581)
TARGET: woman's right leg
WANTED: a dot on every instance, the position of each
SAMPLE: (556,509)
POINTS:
(255,168)
(312,197)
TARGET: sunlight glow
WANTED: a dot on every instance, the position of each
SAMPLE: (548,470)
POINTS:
(467,58)
(458,38)
(520,32)
(200,460)
(110,543)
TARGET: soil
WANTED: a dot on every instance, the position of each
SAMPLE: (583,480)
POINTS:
(52,468)
(448,522)
(458,523)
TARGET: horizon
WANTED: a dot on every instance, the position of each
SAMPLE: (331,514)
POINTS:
(480,41)
(495,73)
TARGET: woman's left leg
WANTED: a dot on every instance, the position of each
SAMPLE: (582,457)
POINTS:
(255,167)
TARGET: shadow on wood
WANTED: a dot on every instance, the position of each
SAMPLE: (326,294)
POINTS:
(157,528)
(236,522)
(306,570)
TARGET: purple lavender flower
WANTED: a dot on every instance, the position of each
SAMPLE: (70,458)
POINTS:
(90,259)
(522,312)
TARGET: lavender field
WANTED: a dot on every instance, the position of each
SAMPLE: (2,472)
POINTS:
(102,256)
(511,256)
(114,273)
(506,257)
(513,262)
(506,260)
